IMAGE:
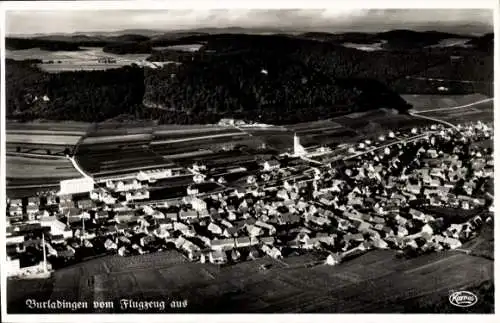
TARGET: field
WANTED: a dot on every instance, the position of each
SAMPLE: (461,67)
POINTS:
(374,282)
(43,138)
(29,175)
(480,112)
(353,127)
(85,59)
(110,149)
(185,48)
(35,160)
(425,102)
(365,47)
(47,168)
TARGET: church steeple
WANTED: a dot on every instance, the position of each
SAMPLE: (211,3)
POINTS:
(298,150)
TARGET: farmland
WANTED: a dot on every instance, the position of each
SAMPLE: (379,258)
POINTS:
(480,112)
(85,59)
(26,175)
(374,282)
(41,137)
(425,102)
(108,149)
(353,127)
(35,160)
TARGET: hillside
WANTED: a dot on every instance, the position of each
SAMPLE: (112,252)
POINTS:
(270,78)
(79,96)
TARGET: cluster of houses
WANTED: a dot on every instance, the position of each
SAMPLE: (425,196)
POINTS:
(392,199)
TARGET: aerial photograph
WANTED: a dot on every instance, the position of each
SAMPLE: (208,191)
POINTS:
(248,161)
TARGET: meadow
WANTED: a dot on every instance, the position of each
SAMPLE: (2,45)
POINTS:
(84,59)
(374,282)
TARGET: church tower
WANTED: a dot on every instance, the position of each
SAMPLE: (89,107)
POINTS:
(298,150)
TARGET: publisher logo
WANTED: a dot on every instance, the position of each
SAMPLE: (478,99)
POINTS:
(463,299)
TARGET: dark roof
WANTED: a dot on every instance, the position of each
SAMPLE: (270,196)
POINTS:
(73,212)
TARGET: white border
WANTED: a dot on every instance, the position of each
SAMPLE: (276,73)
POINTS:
(247,4)
(226,4)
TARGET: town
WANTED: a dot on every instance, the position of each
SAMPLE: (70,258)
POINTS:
(429,190)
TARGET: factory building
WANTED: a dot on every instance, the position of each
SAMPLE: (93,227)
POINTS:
(75,186)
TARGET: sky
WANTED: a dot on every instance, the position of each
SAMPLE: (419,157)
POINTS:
(475,21)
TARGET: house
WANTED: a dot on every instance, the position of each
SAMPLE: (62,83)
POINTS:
(203,213)
(427,229)
(128,185)
(319,220)
(101,214)
(223,244)
(56,227)
(206,241)
(166,224)
(322,237)
(192,251)
(158,215)
(245,242)
(284,218)
(452,243)
(273,252)
(302,240)
(153,175)
(15,209)
(16,202)
(34,201)
(254,231)
(110,245)
(416,214)
(185,229)
(57,238)
(362,226)
(353,237)
(379,243)
(86,204)
(414,189)
(141,194)
(126,216)
(196,203)
(146,240)
(214,228)
(234,230)
(14,239)
(75,214)
(226,223)
(270,165)
(161,233)
(171,215)
(283,194)
(454,230)
(123,251)
(333,259)
(267,240)
(187,215)
(402,231)
(31,211)
(217,257)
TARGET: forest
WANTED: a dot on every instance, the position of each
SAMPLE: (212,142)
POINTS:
(274,79)
(80,96)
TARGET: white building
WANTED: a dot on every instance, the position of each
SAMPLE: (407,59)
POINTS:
(154,174)
(128,185)
(298,149)
(137,195)
(75,186)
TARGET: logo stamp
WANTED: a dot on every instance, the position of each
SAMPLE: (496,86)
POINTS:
(463,299)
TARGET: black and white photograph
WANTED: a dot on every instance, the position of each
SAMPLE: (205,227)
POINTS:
(239,160)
